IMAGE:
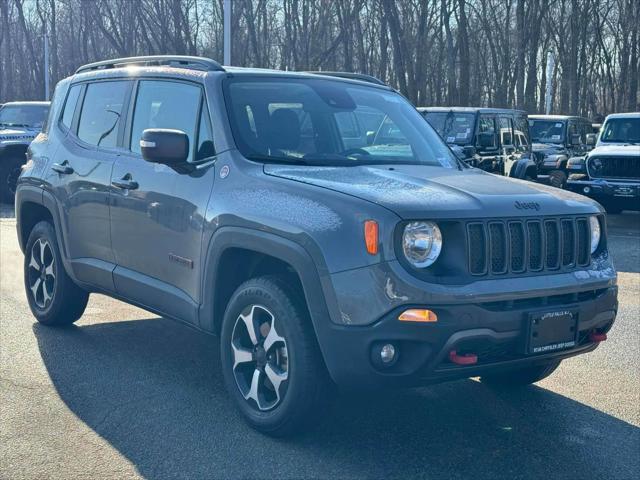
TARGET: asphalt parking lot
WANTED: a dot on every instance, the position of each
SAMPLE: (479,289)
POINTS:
(124,394)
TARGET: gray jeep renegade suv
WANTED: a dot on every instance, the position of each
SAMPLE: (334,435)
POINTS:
(254,205)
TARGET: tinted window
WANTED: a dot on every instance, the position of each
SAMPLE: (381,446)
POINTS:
(546,131)
(165,105)
(324,122)
(453,127)
(487,127)
(25,115)
(506,134)
(621,130)
(70,105)
(102,113)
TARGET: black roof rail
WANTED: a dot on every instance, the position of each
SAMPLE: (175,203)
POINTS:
(182,61)
(353,76)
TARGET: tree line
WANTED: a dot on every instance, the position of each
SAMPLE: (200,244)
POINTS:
(436,52)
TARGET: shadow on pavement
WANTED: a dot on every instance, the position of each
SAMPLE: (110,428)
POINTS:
(153,390)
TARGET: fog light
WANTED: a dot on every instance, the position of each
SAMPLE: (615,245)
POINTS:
(387,353)
(586,189)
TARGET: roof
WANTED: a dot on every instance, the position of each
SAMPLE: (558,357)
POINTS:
(200,67)
(41,104)
(557,117)
(469,110)
(623,115)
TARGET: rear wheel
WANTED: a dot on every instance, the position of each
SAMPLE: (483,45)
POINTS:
(53,297)
(270,359)
(522,376)
(9,173)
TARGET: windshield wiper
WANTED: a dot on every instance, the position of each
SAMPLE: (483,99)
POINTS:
(272,159)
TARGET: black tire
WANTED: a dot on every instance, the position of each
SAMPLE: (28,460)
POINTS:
(303,398)
(55,299)
(9,173)
(522,376)
(557,178)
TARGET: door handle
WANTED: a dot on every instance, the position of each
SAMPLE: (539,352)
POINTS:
(125,183)
(62,168)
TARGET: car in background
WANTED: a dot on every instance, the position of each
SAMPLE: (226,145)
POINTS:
(492,139)
(557,138)
(610,173)
(20,122)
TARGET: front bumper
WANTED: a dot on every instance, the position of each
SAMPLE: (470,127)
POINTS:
(496,332)
(624,192)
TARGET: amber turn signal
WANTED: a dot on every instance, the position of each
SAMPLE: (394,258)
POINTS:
(371,236)
(418,315)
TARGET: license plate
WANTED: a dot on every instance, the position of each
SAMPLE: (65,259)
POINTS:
(552,331)
(631,191)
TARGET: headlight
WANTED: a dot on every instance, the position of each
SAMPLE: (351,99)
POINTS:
(421,243)
(595,233)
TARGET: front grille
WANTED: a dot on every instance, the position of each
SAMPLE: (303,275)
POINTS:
(518,246)
(614,167)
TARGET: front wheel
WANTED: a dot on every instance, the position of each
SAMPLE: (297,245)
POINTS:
(271,362)
(522,376)
(53,297)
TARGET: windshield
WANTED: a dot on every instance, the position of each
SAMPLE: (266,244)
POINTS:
(546,131)
(621,130)
(454,128)
(325,122)
(26,116)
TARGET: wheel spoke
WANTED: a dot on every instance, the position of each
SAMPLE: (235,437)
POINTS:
(35,287)
(253,390)
(45,294)
(49,271)
(250,324)
(43,245)
(272,337)
(275,378)
(241,355)
(33,263)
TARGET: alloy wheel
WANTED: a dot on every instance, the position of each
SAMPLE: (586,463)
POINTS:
(42,273)
(260,358)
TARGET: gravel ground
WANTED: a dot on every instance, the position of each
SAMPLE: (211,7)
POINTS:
(124,394)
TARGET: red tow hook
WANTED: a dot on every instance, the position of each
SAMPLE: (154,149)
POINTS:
(597,337)
(466,359)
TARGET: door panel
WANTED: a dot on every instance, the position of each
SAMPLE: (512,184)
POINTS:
(157,223)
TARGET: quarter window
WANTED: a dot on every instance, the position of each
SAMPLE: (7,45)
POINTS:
(162,104)
(506,135)
(102,113)
(70,105)
(205,138)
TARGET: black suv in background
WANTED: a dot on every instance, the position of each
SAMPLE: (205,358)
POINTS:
(246,203)
(495,140)
(557,138)
(20,122)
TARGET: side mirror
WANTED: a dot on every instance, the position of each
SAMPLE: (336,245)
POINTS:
(486,140)
(591,139)
(575,139)
(469,151)
(371,136)
(165,146)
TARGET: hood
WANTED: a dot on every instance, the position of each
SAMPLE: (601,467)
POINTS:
(618,149)
(419,191)
(18,133)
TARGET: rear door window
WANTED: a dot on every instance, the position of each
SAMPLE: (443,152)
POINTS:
(487,126)
(506,131)
(163,104)
(102,111)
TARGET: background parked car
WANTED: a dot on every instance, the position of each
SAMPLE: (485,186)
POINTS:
(495,140)
(557,138)
(20,122)
(611,172)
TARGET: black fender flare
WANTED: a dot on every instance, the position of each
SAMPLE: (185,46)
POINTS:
(320,299)
(523,168)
